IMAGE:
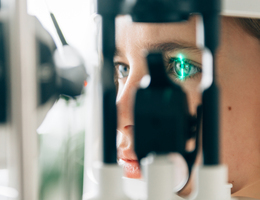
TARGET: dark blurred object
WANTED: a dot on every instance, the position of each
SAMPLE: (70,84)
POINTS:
(70,66)
(65,76)
(162,120)
(70,70)
(3,77)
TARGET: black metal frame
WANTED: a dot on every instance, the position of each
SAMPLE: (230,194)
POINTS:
(3,76)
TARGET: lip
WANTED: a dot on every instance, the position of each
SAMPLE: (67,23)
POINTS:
(131,168)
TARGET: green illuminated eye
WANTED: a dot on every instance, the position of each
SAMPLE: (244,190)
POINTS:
(182,68)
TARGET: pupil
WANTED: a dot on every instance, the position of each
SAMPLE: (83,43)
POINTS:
(182,69)
(187,69)
(123,70)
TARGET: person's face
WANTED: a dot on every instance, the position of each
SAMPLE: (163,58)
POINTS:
(238,75)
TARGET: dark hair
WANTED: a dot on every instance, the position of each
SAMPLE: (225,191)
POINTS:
(251,26)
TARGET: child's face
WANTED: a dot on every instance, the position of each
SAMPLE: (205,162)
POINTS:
(238,75)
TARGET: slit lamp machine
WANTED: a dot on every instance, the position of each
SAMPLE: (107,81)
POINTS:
(34,73)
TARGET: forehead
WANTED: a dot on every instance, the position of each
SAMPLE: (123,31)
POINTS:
(131,36)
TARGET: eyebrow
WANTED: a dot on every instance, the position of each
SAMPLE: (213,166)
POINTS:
(166,47)
(172,46)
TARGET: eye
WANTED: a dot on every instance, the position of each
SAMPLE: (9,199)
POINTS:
(122,70)
(182,68)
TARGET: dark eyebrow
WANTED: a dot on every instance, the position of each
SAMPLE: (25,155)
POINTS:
(166,47)
(172,46)
(117,52)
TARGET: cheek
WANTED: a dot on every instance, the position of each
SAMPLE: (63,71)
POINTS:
(191,87)
(239,81)
(120,85)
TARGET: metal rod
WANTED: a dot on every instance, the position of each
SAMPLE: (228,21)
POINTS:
(109,91)
(210,97)
(57,27)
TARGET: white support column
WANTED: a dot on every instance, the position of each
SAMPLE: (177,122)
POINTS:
(158,172)
(110,183)
(211,183)
(22,145)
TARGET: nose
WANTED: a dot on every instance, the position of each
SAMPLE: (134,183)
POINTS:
(126,95)
(125,112)
(125,122)
(125,104)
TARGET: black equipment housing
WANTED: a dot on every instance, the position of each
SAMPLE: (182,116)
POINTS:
(47,77)
(156,103)
(160,117)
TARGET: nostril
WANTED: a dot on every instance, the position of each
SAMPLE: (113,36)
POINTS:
(129,127)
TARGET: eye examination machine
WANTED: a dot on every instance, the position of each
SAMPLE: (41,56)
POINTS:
(174,130)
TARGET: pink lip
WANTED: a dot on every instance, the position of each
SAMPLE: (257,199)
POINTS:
(131,168)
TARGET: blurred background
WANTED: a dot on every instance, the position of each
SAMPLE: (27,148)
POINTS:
(62,133)
(61,136)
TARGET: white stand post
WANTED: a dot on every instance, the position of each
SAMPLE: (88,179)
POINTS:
(159,175)
(22,139)
(110,183)
(211,183)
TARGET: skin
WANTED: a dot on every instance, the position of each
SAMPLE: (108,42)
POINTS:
(238,77)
